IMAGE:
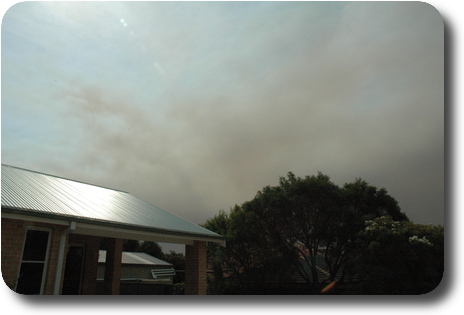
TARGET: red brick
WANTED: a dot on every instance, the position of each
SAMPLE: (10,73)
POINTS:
(195,268)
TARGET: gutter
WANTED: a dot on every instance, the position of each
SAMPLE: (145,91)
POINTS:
(210,237)
(60,262)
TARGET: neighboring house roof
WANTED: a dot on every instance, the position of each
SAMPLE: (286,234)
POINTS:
(136,258)
(147,267)
(323,272)
(321,268)
(31,193)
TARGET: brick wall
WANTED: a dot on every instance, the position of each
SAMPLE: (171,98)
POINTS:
(195,268)
(12,243)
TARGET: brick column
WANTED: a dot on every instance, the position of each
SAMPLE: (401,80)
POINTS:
(113,266)
(195,269)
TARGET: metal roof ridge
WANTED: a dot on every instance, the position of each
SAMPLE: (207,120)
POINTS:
(63,178)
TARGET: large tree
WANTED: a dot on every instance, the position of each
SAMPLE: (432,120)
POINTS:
(311,217)
(359,202)
(296,217)
(297,223)
(248,260)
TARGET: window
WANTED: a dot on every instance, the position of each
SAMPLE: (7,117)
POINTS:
(33,262)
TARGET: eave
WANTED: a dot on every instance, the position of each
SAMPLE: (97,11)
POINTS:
(103,228)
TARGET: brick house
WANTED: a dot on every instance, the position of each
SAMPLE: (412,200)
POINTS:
(49,220)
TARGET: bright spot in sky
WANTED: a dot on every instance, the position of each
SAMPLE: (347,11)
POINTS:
(123,22)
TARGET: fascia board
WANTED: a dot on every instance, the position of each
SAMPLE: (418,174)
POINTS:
(107,229)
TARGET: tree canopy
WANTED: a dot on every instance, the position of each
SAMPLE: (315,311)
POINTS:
(295,227)
(401,257)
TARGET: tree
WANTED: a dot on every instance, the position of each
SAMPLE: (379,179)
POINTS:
(296,216)
(131,245)
(151,248)
(305,218)
(178,262)
(360,202)
(370,202)
(401,257)
(248,259)
(295,225)
(176,259)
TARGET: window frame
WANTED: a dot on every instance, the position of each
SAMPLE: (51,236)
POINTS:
(45,262)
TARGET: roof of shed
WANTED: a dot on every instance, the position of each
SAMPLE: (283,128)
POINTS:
(135,258)
(33,193)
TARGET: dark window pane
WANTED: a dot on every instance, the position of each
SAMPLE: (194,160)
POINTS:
(30,278)
(36,245)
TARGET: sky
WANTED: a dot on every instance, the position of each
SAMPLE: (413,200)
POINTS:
(196,106)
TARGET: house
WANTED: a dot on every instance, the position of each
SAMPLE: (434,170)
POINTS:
(140,274)
(49,221)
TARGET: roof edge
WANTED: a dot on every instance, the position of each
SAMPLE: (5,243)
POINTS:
(33,213)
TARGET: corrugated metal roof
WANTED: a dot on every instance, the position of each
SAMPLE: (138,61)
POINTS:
(135,258)
(50,195)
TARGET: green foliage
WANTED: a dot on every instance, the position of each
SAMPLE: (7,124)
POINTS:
(370,202)
(130,245)
(287,228)
(151,248)
(401,257)
(246,260)
(178,262)
(298,211)
(176,259)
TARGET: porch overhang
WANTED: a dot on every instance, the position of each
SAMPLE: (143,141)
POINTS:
(102,228)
